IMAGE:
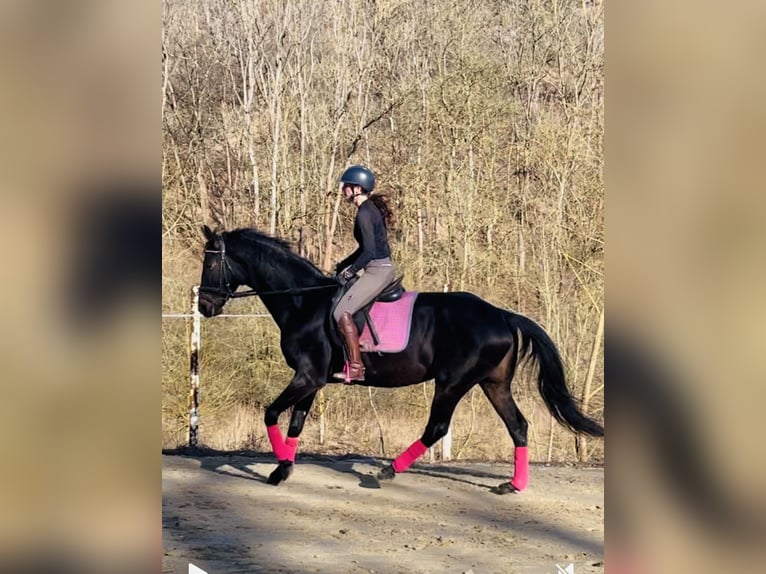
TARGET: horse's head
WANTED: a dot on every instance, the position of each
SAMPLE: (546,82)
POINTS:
(219,276)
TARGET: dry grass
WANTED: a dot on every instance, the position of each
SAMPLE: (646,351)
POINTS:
(352,427)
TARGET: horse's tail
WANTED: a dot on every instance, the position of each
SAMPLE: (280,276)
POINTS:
(536,344)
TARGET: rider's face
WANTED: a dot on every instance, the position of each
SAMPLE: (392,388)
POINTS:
(348,191)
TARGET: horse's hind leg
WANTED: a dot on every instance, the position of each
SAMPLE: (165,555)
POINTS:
(443,406)
(499,394)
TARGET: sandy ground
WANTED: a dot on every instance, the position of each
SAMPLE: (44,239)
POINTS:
(219,514)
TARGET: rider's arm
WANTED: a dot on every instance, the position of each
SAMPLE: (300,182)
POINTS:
(366,227)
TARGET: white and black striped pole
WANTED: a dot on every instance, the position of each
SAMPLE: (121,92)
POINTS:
(194,369)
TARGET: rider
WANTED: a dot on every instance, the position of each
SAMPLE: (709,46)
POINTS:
(373,255)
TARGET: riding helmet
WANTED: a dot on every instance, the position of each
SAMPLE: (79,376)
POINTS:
(361,176)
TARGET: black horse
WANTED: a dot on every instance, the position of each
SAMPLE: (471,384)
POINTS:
(457,339)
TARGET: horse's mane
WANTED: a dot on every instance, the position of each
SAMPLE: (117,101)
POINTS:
(280,252)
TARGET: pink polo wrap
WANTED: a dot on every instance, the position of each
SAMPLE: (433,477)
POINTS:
(520,478)
(283,449)
(413,452)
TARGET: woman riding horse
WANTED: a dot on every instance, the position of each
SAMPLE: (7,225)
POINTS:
(373,218)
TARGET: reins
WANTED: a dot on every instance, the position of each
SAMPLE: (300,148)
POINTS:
(253,292)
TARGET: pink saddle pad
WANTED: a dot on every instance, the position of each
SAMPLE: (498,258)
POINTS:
(392,323)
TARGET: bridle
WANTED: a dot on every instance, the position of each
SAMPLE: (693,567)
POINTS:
(224,282)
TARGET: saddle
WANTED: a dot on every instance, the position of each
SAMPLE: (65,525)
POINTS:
(393,292)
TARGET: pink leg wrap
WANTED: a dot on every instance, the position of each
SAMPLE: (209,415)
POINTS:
(520,478)
(413,452)
(277,442)
(291,445)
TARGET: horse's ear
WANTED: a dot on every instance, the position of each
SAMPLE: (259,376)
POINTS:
(209,235)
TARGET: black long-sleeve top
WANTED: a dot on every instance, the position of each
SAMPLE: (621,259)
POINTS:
(371,235)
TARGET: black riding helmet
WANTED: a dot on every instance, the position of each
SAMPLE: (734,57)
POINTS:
(361,176)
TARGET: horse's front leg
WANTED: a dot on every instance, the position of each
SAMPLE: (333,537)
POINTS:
(301,395)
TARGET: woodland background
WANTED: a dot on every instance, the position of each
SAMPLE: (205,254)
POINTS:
(483,121)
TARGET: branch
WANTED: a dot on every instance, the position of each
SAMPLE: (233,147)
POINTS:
(374,120)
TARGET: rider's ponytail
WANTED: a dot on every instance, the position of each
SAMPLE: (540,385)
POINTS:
(383,204)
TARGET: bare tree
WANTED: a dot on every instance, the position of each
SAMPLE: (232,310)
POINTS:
(482,119)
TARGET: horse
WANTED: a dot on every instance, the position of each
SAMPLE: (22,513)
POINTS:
(457,339)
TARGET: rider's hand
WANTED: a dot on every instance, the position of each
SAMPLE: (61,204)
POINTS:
(345,276)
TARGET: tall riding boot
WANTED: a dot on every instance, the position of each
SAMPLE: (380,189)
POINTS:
(354,370)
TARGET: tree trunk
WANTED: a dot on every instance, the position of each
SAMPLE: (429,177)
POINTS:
(582,446)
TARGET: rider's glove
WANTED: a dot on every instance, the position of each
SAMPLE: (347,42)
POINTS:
(345,276)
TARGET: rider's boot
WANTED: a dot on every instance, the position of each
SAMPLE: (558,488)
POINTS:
(354,369)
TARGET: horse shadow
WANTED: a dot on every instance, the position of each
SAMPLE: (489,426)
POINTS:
(210,459)
(243,469)
(239,464)
(447,471)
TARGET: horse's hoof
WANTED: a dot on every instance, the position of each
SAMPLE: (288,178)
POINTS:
(387,473)
(505,488)
(282,472)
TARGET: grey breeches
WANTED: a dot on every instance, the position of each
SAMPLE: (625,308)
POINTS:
(377,275)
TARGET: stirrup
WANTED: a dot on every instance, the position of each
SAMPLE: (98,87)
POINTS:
(345,375)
